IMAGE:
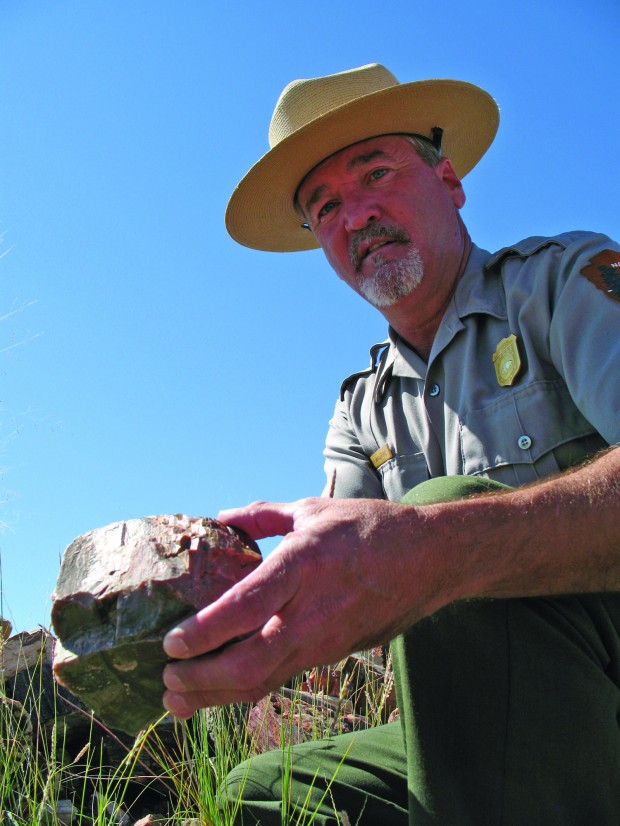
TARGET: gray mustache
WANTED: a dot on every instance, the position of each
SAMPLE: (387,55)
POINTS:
(370,233)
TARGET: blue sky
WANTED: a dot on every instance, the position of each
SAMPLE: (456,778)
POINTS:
(148,364)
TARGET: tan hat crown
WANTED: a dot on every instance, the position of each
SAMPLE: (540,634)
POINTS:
(303,101)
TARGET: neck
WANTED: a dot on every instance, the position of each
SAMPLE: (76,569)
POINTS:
(416,319)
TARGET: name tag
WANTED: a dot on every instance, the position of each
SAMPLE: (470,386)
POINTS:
(381,456)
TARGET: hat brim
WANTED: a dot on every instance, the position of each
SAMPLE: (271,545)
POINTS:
(261,213)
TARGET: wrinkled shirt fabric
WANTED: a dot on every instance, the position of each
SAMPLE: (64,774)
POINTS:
(451,416)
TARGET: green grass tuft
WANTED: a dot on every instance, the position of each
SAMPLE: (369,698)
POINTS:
(55,772)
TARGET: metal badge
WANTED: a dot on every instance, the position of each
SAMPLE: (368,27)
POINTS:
(381,456)
(507,360)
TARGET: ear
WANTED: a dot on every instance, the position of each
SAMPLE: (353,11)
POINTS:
(446,174)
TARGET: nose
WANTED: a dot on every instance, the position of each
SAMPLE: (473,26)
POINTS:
(360,211)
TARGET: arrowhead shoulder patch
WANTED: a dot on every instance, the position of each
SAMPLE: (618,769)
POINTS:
(604,272)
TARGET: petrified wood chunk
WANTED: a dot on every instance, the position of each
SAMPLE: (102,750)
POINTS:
(120,589)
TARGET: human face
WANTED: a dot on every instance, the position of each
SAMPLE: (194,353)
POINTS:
(384,218)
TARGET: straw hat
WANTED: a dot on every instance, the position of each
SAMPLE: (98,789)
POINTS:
(317,117)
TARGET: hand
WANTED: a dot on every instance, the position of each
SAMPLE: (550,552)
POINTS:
(336,583)
(354,573)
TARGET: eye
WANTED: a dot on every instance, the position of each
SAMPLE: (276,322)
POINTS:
(327,207)
(376,174)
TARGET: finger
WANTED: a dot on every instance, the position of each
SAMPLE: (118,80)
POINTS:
(243,609)
(181,705)
(244,671)
(261,519)
(184,705)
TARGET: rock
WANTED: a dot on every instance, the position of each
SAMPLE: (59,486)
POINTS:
(5,629)
(26,676)
(120,589)
(61,812)
(23,652)
(15,731)
(117,814)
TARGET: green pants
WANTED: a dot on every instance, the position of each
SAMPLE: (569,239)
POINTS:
(510,714)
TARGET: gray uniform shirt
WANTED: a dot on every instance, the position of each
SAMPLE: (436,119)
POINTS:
(560,297)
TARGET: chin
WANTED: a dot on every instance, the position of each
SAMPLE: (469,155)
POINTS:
(391,283)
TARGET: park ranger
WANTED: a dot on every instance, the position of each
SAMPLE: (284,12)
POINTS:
(471,508)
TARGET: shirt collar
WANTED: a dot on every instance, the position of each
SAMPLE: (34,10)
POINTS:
(473,294)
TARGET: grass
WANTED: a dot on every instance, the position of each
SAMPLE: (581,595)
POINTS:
(51,775)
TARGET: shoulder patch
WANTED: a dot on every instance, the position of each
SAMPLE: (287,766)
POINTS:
(604,272)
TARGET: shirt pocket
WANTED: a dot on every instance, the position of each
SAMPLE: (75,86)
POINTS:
(402,473)
(513,439)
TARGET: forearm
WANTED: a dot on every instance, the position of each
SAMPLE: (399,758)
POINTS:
(558,536)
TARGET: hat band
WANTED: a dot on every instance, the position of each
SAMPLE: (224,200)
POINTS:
(436,139)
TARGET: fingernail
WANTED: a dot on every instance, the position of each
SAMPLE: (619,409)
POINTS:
(174,644)
(172,681)
(175,703)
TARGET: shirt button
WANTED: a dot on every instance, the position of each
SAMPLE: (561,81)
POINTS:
(524,442)
(434,390)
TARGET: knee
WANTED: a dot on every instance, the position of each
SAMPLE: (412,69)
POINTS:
(252,792)
(449,489)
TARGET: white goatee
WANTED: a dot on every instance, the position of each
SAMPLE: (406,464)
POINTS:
(393,280)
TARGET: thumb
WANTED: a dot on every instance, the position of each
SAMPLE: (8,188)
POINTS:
(240,611)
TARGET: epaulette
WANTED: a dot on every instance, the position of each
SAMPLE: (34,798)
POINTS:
(530,246)
(377,353)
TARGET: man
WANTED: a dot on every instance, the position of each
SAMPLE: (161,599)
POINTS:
(500,370)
